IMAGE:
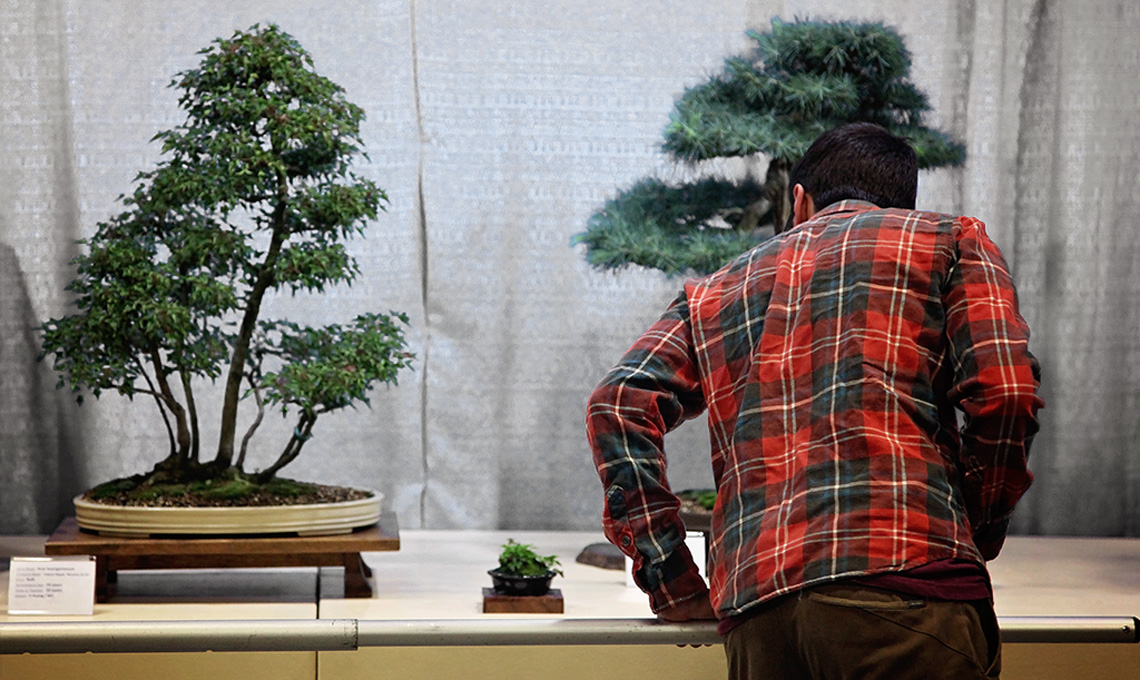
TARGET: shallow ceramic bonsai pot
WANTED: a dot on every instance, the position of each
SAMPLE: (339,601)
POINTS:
(314,519)
(521,585)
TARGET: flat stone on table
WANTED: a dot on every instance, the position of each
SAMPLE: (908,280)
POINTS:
(603,555)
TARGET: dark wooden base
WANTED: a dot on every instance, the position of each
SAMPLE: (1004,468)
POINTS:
(494,603)
(114,554)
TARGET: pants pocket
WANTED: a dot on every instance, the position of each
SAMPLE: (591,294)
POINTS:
(864,598)
(893,635)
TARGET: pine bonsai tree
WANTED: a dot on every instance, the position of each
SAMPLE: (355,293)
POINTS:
(800,80)
(253,195)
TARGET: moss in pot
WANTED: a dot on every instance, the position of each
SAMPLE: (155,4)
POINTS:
(522,572)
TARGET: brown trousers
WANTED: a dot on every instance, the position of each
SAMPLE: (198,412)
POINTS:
(849,632)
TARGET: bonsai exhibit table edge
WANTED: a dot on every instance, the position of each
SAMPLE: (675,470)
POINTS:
(116,553)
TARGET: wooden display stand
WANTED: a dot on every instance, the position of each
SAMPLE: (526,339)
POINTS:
(114,553)
(497,603)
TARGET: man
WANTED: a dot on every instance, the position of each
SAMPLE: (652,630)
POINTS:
(854,514)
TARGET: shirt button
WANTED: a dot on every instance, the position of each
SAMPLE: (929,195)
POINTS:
(625,541)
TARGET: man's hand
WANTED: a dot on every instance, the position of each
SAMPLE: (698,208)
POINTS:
(693,609)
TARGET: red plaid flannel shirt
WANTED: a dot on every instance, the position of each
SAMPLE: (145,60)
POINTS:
(833,360)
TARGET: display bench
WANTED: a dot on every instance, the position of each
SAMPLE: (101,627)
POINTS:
(114,554)
(425,619)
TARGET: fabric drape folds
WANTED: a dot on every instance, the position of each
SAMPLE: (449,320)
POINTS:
(497,129)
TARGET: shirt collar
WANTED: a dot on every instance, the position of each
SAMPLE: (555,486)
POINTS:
(846,207)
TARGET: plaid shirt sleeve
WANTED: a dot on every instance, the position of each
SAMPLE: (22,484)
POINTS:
(653,389)
(995,384)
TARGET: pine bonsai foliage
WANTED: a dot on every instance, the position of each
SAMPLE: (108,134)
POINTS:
(253,195)
(800,80)
(666,227)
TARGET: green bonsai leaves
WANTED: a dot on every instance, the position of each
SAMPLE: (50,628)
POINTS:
(801,79)
(521,560)
(253,194)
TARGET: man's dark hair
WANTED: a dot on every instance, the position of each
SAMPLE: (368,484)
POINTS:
(859,161)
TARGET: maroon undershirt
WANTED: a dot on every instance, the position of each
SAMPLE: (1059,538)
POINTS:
(954,580)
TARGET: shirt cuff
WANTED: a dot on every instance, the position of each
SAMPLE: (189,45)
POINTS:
(672,581)
(989,538)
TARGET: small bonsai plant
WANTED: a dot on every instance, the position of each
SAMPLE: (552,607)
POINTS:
(522,571)
(253,195)
(801,79)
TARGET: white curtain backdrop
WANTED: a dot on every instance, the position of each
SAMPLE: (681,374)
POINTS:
(497,129)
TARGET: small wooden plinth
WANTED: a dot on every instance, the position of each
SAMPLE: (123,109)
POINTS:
(495,603)
(114,553)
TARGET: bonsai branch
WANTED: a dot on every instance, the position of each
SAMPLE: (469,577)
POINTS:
(161,409)
(301,434)
(256,421)
(183,437)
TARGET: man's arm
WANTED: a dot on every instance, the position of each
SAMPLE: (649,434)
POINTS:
(995,384)
(653,389)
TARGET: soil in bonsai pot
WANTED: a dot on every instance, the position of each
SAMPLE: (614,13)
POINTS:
(215,493)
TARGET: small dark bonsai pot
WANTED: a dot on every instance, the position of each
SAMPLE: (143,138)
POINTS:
(520,585)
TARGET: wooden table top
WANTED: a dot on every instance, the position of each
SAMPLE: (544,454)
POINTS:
(69,539)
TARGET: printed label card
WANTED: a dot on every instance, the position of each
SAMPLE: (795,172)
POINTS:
(52,585)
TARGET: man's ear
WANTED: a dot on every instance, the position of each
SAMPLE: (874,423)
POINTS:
(803,206)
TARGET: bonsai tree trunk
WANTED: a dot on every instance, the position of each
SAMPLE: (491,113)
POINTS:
(192,413)
(776,191)
(176,409)
(264,281)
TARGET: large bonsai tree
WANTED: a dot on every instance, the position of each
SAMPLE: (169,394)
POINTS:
(800,80)
(253,195)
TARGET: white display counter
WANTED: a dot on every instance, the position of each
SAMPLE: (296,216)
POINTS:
(425,620)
